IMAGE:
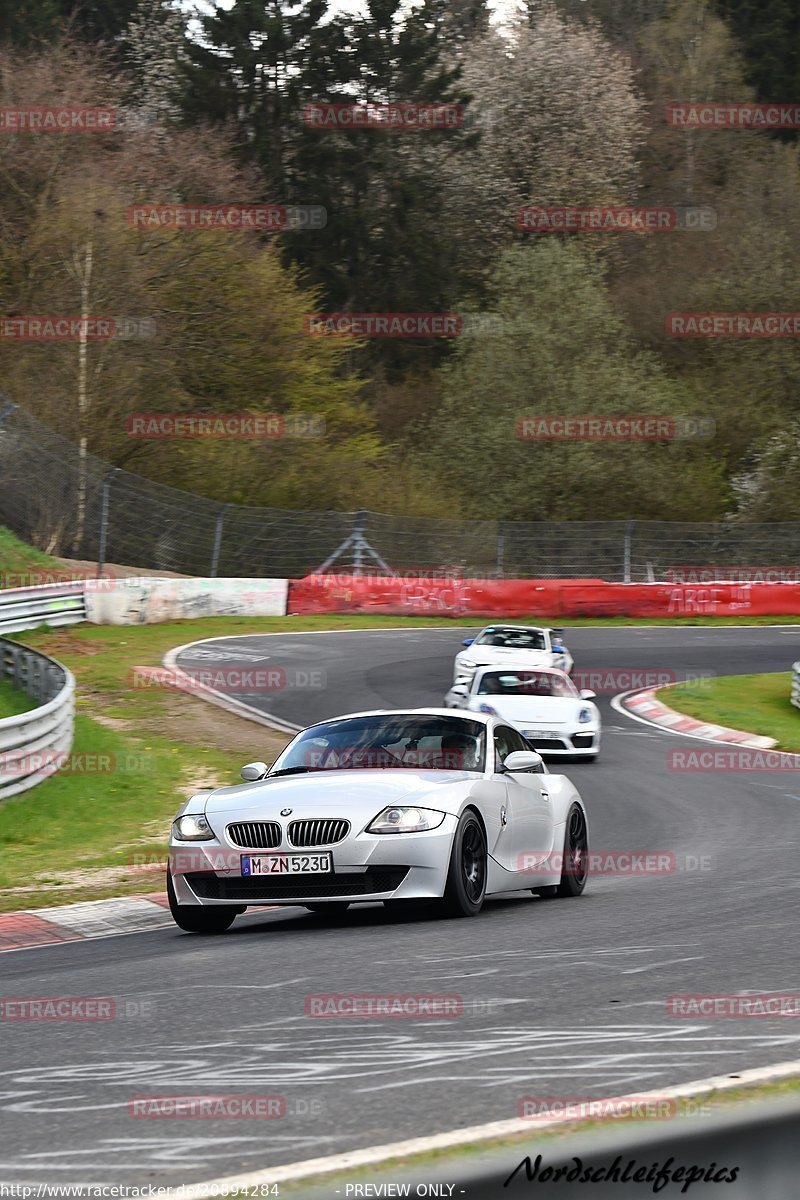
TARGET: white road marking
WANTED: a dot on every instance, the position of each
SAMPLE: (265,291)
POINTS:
(373,1155)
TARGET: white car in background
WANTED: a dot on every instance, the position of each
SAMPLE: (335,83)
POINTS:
(522,645)
(543,704)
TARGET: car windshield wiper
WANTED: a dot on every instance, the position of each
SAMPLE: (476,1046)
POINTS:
(290,771)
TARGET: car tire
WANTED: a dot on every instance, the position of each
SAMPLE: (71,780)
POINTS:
(333,907)
(206,918)
(576,842)
(465,889)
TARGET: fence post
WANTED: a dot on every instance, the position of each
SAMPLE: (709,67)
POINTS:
(626,566)
(104,499)
(358,540)
(501,549)
(217,541)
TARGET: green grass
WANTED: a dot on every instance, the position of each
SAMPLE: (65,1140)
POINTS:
(21,565)
(113,810)
(756,703)
(13,702)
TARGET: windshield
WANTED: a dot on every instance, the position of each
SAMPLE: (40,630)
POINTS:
(525,683)
(513,639)
(388,741)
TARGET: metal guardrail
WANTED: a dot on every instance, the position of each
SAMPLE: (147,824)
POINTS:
(796,685)
(31,742)
(52,604)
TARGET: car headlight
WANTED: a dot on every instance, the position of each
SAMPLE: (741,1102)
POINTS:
(585,716)
(404,819)
(192,828)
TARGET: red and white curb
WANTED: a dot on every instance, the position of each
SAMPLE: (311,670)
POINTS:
(86,921)
(644,706)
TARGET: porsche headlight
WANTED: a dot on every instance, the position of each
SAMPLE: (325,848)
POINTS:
(585,716)
(404,819)
(192,828)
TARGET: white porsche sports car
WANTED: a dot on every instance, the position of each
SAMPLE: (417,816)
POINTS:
(544,705)
(391,806)
(496,645)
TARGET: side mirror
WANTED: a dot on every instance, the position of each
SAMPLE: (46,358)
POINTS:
(588,695)
(459,689)
(522,760)
(467,641)
(253,772)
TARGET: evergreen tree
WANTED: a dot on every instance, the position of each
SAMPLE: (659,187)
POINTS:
(768,32)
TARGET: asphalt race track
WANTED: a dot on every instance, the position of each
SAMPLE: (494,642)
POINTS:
(561,999)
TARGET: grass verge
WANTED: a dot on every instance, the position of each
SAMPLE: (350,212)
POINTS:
(755,703)
(19,561)
(13,701)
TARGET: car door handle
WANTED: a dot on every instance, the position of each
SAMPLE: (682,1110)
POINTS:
(545,795)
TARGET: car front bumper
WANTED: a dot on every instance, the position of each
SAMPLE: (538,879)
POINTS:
(366,867)
(577,740)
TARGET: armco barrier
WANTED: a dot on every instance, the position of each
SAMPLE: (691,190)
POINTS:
(31,742)
(52,604)
(538,598)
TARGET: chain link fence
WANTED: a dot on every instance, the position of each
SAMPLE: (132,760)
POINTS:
(136,522)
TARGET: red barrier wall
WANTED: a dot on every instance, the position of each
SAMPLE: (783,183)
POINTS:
(555,598)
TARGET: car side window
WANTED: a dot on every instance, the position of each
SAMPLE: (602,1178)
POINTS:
(517,741)
(511,740)
(502,745)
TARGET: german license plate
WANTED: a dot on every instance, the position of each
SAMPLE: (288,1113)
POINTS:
(286,864)
(547,735)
